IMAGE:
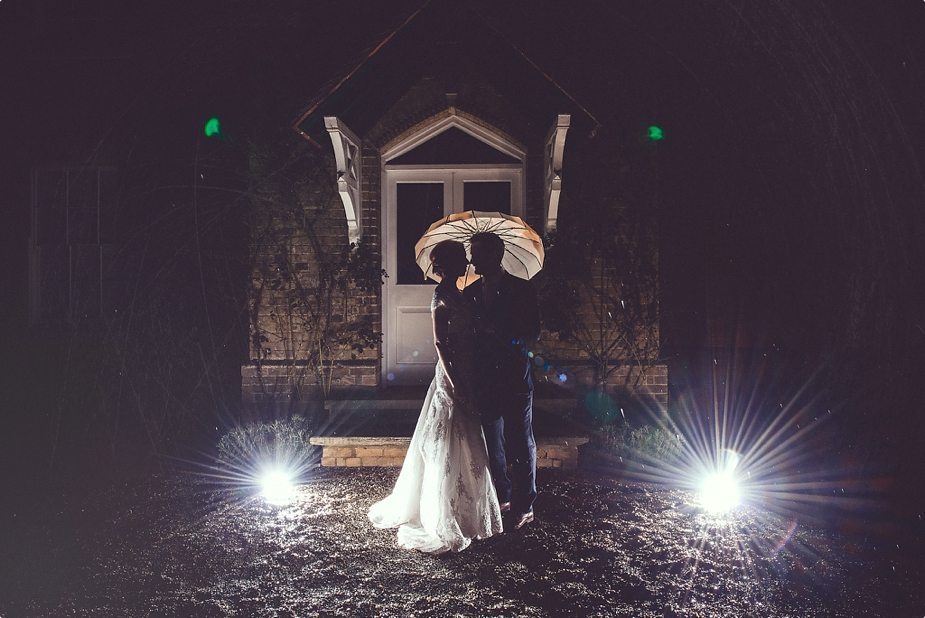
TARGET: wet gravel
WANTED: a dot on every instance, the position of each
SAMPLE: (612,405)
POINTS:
(176,546)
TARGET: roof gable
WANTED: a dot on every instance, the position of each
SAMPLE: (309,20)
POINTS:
(452,47)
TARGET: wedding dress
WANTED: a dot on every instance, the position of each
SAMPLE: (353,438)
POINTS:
(444,496)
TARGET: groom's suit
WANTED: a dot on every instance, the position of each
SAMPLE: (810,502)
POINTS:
(507,322)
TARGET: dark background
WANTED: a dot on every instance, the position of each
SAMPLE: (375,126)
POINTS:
(789,183)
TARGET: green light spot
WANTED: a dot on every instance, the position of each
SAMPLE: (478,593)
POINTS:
(655,133)
(212,127)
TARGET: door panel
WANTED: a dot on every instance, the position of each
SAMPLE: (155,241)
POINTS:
(416,345)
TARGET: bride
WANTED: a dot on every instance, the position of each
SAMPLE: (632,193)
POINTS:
(444,496)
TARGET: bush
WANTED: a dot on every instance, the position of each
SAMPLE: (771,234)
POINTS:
(656,443)
(645,442)
(280,442)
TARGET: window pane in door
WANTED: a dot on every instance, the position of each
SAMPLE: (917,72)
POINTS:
(487,196)
(419,205)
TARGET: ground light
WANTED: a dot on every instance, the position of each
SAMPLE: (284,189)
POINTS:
(277,486)
(720,491)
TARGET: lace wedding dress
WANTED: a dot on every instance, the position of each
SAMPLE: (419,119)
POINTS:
(444,496)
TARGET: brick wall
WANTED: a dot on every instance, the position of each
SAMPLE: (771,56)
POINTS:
(355,452)
(272,374)
(647,382)
(294,220)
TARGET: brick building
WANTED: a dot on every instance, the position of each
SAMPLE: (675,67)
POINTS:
(443,115)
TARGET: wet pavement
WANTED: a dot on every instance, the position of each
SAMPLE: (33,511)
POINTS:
(176,546)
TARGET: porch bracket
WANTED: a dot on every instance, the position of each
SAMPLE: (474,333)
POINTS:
(347,158)
(555,148)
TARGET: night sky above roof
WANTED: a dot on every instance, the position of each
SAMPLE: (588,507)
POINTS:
(792,142)
(449,44)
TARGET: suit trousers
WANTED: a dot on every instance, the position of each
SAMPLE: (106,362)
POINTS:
(507,421)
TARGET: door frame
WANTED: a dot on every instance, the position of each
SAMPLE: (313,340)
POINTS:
(453,177)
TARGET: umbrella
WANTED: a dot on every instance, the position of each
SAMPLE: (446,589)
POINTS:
(523,247)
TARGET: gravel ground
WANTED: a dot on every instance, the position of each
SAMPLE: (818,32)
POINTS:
(600,546)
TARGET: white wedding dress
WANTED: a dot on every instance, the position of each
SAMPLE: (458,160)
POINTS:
(444,496)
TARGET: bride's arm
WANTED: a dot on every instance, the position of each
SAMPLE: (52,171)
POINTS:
(444,353)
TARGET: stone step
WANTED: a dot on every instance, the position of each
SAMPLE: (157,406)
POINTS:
(398,417)
(378,451)
(335,406)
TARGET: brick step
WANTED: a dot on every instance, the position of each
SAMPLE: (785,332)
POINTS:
(388,451)
(398,417)
(335,406)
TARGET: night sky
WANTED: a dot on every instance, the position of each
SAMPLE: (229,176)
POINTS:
(790,182)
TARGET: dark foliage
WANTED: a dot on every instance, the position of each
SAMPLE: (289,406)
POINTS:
(599,288)
(306,279)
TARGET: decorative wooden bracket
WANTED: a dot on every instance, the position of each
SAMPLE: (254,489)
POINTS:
(555,147)
(347,157)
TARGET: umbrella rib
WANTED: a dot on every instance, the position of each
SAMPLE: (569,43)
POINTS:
(518,237)
(506,250)
(528,252)
(492,225)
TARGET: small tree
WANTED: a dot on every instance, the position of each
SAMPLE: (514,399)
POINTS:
(599,290)
(308,285)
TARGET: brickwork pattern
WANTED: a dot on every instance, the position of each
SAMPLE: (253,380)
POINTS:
(557,452)
(262,382)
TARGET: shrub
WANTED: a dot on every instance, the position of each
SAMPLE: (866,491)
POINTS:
(283,442)
(655,443)
(612,437)
(649,442)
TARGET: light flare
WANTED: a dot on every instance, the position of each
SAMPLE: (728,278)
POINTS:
(277,486)
(720,489)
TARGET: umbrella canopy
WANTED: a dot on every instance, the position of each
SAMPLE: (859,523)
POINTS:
(523,247)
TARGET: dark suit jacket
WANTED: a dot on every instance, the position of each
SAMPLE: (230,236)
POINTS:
(505,329)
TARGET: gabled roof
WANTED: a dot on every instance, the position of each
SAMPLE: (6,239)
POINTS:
(450,44)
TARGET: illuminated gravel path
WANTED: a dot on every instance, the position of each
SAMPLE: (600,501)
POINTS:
(598,547)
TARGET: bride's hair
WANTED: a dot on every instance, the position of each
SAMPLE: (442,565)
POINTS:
(443,252)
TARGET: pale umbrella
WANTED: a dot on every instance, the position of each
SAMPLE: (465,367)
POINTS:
(523,247)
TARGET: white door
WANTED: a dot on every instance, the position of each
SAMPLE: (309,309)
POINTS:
(415,198)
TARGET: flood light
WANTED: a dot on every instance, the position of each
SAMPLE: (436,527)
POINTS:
(719,490)
(277,487)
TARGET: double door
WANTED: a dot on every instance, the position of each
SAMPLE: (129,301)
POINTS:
(414,199)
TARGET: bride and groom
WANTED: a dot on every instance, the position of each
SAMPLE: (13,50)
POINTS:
(477,416)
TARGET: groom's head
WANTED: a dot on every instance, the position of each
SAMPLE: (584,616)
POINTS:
(487,252)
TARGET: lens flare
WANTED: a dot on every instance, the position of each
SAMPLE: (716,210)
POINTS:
(719,493)
(212,127)
(750,454)
(720,490)
(266,461)
(277,487)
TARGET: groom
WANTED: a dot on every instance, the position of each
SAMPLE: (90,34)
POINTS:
(507,321)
